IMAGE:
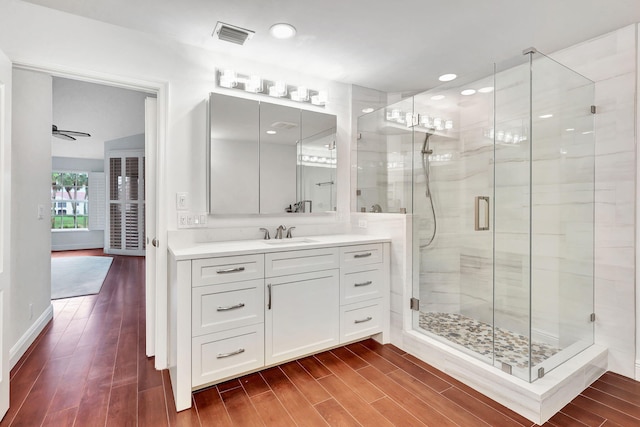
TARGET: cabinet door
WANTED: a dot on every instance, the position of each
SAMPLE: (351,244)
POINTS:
(302,314)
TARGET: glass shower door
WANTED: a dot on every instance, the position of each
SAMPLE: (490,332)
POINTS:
(453,216)
(562,213)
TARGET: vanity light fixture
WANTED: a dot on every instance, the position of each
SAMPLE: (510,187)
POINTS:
(254,83)
(282,30)
(447,77)
(300,95)
(424,120)
(228,79)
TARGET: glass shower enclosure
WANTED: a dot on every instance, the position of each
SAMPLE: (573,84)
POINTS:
(497,174)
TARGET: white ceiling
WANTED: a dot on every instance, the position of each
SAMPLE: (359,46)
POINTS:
(107,113)
(390,45)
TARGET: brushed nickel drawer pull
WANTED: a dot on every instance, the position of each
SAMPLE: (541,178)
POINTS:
(231,270)
(231,307)
(367,283)
(362,255)
(233,353)
(269,296)
(363,320)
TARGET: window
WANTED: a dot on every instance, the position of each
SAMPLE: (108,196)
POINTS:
(69,200)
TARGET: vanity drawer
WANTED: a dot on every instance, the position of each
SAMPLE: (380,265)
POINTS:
(360,320)
(225,354)
(360,255)
(361,284)
(213,271)
(302,261)
(232,305)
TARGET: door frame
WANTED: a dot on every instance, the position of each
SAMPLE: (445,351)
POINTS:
(156,325)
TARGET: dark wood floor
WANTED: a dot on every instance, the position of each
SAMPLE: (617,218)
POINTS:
(88,368)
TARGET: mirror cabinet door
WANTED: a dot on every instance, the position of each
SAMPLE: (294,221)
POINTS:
(234,155)
(267,158)
(279,137)
(317,162)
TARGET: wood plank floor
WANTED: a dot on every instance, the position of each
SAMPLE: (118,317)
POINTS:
(88,368)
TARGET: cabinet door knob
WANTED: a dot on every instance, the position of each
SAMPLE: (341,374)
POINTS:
(155,242)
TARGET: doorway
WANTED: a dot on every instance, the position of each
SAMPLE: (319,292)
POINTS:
(156,147)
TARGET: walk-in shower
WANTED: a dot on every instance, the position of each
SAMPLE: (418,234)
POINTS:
(497,175)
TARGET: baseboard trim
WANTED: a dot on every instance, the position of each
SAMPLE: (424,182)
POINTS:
(20,348)
(638,370)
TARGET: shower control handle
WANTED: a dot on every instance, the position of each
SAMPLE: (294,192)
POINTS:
(478,200)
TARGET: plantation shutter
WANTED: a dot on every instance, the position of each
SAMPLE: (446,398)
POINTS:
(126,203)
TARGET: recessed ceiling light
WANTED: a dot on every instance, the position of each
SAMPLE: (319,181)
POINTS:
(271,132)
(487,89)
(282,31)
(367,110)
(468,92)
(570,129)
(437,97)
(447,77)
(546,116)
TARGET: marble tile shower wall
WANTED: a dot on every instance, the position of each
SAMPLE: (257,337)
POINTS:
(610,61)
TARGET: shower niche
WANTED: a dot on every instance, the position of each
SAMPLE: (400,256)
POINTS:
(496,174)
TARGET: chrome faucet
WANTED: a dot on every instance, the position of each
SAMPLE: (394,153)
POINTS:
(289,235)
(279,231)
(266,233)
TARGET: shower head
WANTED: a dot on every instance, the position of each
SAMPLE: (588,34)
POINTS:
(425,144)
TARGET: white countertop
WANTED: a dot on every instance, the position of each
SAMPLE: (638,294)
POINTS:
(244,247)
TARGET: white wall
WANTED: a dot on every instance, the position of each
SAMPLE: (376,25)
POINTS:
(31,176)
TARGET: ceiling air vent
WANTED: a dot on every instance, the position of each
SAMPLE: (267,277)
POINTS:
(232,34)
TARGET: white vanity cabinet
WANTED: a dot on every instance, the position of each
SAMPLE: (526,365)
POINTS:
(234,311)
(364,278)
(303,309)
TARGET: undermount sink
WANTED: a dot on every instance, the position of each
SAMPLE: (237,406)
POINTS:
(291,241)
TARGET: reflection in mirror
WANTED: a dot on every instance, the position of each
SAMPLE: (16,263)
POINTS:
(234,155)
(317,163)
(268,158)
(279,134)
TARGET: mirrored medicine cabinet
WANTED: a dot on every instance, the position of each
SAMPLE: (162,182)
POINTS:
(265,158)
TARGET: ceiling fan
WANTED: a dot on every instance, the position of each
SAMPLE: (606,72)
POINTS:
(67,134)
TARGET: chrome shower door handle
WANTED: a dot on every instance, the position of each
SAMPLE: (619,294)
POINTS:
(485,225)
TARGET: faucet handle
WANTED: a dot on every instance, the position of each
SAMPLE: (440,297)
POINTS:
(289,235)
(266,233)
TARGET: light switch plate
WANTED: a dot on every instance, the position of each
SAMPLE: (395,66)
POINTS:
(182,201)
